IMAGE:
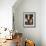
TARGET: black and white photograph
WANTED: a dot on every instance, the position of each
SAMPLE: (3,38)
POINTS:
(29,19)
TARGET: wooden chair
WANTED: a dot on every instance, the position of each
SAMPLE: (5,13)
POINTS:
(18,37)
(29,43)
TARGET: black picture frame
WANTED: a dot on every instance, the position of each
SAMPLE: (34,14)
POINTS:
(29,19)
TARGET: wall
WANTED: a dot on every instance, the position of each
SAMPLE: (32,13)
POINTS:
(6,16)
(6,13)
(43,22)
(28,6)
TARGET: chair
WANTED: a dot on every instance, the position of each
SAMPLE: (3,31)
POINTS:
(29,43)
(18,39)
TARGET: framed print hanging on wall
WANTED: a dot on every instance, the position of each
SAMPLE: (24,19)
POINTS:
(29,19)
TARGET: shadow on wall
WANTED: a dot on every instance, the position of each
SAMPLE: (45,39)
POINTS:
(28,6)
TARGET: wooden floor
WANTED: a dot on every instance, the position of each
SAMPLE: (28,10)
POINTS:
(9,43)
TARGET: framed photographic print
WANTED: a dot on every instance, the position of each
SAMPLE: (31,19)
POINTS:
(29,19)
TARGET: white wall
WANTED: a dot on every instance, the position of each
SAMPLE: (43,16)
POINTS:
(43,22)
(28,6)
(6,13)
